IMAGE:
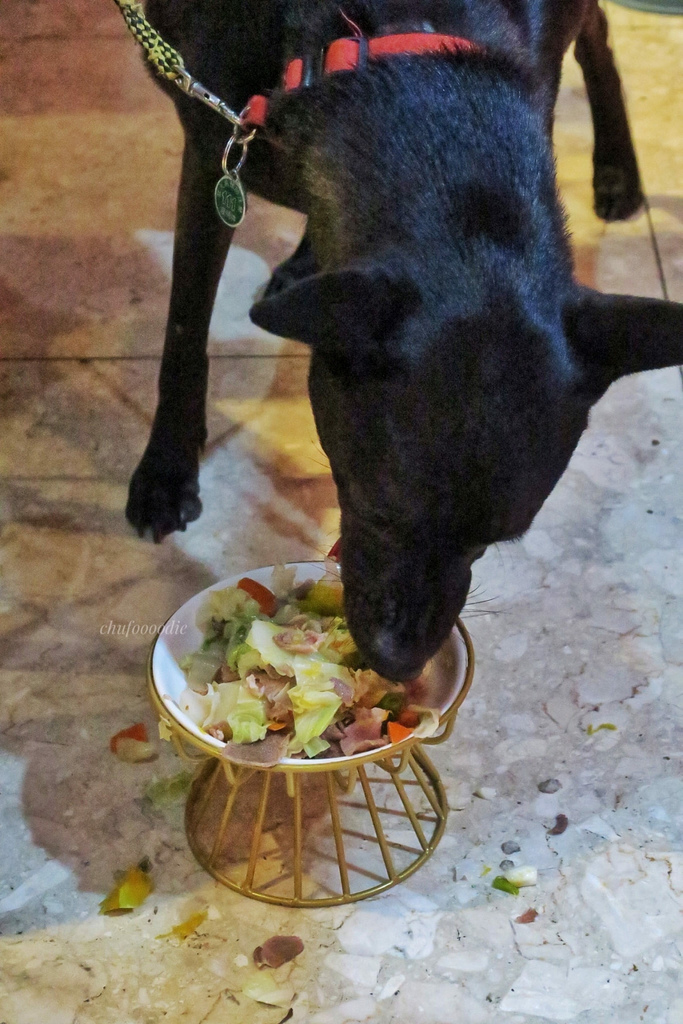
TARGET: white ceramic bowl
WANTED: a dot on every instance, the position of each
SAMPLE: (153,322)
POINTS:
(445,678)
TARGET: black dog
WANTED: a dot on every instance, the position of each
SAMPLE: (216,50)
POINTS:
(454,359)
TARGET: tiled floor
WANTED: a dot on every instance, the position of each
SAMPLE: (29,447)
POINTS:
(585,626)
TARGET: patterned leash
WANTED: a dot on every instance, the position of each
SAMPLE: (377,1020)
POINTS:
(229,196)
(167,62)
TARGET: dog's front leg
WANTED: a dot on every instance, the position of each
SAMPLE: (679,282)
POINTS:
(616,181)
(164,490)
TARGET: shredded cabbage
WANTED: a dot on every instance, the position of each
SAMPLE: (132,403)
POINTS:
(311,724)
(339,645)
(196,705)
(314,670)
(223,703)
(311,749)
(284,615)
(282,580)
(248,718)
(203,668)
(247,659)
(239,639)
(226,604)
(261,639)
(315,746)
(430,720)
(313,697)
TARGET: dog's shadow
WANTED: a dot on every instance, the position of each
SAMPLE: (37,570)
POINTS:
(75,574)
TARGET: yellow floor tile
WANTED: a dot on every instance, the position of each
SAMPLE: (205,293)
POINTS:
(649,50)
(614,257)
(22,20)
(72,174)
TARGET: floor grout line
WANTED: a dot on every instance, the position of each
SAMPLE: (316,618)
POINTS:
(659,261)
(661,274)
(145,358)
(65,479)
(59,37)
(655,247)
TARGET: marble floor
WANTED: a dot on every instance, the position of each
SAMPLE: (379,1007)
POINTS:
(582,625)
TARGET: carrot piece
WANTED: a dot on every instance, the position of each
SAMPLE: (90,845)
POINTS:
(274,726)
(409,718)
(335,550)
(133,732)
(397,732)
(266,599)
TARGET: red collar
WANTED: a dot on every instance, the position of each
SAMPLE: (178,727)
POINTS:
(349,53)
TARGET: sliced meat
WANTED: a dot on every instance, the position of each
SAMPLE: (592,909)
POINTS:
(263,685)
(220,731)
(305,622)
(263,754)
(365,733)
(280,709)
(298,641)
(301,591)
(343,690)
(274,674)
(227,674)
(351,746)
(298,621)
(334,733)
(276,692)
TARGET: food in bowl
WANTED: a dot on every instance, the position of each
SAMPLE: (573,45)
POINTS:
(279,675)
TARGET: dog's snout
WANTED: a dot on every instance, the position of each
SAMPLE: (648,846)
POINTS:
(387,657)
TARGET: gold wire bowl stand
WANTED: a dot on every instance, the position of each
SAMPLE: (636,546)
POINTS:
(314,833)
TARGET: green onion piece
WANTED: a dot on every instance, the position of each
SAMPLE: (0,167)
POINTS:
(499,882)
(393,703)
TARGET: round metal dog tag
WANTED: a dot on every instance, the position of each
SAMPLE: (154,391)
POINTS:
(231,202)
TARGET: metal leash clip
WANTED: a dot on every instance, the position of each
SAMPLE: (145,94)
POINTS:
(229,194)
(193,87)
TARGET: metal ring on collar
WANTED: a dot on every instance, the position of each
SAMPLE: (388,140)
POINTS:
(235,140)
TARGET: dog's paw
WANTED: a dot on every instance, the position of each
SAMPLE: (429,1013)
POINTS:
(617,192)
(161,501)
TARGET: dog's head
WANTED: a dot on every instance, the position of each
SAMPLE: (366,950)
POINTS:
(447,432)
(454,360)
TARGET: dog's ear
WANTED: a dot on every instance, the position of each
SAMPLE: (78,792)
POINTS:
(346,314)
(614,335)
